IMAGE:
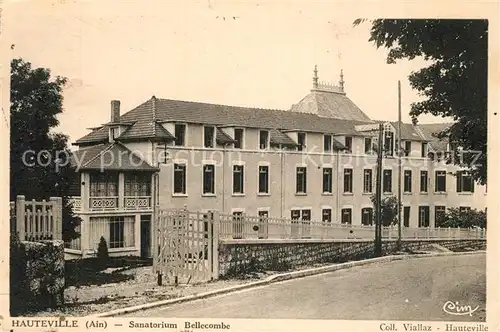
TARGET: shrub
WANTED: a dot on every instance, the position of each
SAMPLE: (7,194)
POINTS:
(464,219)
(102,253)
(17,280)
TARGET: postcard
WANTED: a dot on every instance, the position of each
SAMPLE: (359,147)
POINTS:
(249,166)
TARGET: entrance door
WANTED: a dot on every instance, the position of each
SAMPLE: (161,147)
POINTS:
(145,236)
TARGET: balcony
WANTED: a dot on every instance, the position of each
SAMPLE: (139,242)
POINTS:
(112,203)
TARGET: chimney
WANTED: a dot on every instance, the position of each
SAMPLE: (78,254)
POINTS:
(115,111)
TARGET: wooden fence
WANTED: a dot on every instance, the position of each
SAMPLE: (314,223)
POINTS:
(36,220)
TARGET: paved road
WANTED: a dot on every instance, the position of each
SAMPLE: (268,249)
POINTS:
(414,289)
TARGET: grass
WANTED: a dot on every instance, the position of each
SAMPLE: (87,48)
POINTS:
(88,271)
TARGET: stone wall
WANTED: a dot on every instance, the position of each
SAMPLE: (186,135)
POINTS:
(39,282)
(238,257)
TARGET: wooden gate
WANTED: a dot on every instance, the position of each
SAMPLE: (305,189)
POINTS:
(185,248)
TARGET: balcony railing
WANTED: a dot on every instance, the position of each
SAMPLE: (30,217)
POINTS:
(111,203)
(76,202)
(103,203)
(137,202)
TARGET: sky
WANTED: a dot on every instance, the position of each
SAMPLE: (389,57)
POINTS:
(244,54)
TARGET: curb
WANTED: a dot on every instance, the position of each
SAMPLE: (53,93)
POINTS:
(277,278)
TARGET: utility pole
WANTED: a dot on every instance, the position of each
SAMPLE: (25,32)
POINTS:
(372,128)
(378,194)
(398,244)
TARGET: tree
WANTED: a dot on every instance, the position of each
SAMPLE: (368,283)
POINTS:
(39,158)
(389,209)
(453,85)
(464,219)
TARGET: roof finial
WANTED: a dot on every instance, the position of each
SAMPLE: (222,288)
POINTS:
(315,77)
(341,82)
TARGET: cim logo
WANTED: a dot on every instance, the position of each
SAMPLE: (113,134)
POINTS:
(456,309)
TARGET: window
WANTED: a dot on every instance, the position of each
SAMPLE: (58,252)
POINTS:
(423,216)
(209,179)
(137,184)
(238,138)
(263,179)
(387,181)
(180,134)
(424,150)
(367,216)
(238,224)
(440,181)
(209,137)
(103,184)
(368,145)
(120,232)
(348,180)
(439,215)
(301,181)
(465,183)
(179,179)
(367,181)
(327,143)
(407,181)
(115,132)
(326,215)
(327,180)
(348,144)
(263,139)
(407,148)
(406,216)
(238,179)
(301,140)
(295,214)
(347,216)
(116,232)
(389,143)
(424,181)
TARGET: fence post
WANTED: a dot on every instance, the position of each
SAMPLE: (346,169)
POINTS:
(458,231)
(20,217)
(449,232)
(56,205)
(215,244)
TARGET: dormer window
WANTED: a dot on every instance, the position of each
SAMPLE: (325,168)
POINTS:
(424,150)
(407,148)
(368,145)
(327,143)
(238,138)
(115,132)
(180,134)
(263,139)
(209,136)
(348,144)
(301,140)
(389,143)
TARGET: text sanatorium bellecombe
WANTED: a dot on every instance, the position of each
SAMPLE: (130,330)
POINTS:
(187,325)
